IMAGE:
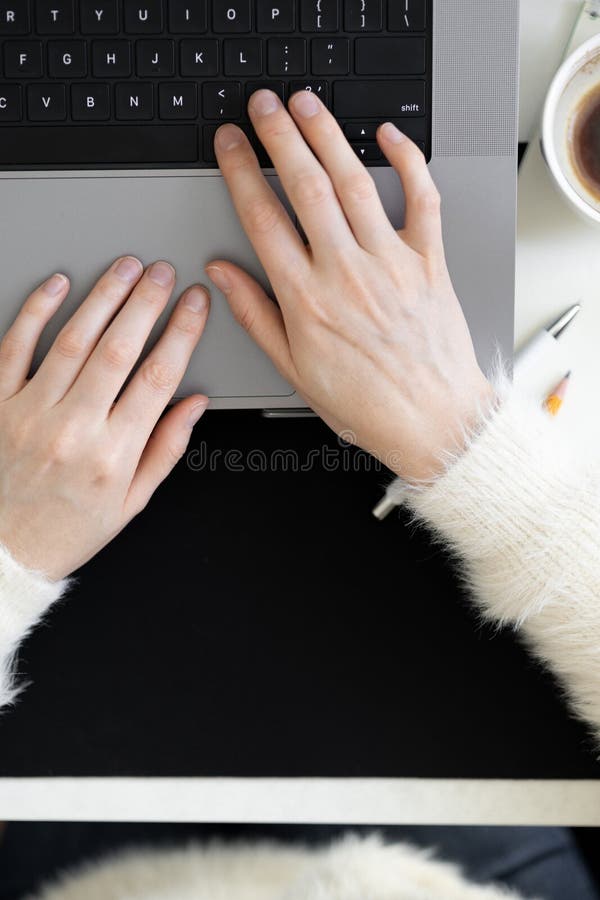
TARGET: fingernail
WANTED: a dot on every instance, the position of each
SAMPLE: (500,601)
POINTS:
(228,137)
(162,273)
(54,285)
(218,277)
(129,268)
(196,411)
(306,104)
(263,103)
(392,134)
(196,299)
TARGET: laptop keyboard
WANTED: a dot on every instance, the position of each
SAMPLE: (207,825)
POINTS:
(146,83)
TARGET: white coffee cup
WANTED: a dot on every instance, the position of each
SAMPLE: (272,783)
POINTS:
(576,78)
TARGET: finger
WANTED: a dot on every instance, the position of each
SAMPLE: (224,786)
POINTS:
(254,311)
(352,182)
(423,224)
(152,387)
(268,226)
(304,180)
(164,449)
(77,339)
(121,345)
(18,344)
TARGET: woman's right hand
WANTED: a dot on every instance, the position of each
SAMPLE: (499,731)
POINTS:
(76,463)
(368,327)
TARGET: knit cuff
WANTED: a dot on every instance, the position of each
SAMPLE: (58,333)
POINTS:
(508,489)
(25,595)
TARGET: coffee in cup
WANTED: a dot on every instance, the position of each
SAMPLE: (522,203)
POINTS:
(571,129)
(584,141)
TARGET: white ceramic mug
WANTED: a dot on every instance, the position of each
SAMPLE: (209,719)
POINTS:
(576,78)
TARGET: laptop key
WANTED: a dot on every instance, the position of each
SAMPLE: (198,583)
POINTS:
(390,56)
(222,100)
(99,16)
(199,58)
(90,102)
(67,59)
(155,58)
(378,99)
(320,88)
(208,144)
(92,144)
(14,17)
(54,17)
(356,131)
(10,103)
(408,15)
(277,86)
(363,15)
(187,16)
(287,56)
(111,59)
(177,101)
(243,57)
(231,16)
(319,15)
(134,101)
(23,59)
(208,140)
(367,152)
(143,16)
(46,102)
(275,15)
(330,56)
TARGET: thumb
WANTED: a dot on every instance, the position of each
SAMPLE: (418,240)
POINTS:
(166,445)
(254,311)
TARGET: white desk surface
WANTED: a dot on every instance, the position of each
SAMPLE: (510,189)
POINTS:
(558,263)
(545,30)
(351,801)
(558,254)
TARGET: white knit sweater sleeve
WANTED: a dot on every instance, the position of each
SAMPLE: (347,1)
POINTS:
(520,508)
(24,598)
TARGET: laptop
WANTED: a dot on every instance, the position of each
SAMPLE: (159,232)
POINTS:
(108,110)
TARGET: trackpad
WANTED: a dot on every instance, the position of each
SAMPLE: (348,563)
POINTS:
(79,225)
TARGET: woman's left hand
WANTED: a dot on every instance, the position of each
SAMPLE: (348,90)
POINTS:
(80,455)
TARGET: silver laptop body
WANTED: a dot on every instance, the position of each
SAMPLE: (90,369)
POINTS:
(79,221)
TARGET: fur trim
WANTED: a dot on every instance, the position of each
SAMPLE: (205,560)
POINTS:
(520,509)
(353,869)
(25,596)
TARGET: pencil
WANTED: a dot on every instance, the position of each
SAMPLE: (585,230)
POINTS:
(554,402)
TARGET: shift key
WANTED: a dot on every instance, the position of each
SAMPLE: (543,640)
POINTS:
(378,99)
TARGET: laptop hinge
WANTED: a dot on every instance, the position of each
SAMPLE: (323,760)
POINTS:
(302,412)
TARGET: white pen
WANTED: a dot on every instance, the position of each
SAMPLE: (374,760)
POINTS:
(544,341)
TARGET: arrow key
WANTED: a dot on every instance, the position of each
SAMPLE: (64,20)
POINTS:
(367,152)
(222,100)
(361,131)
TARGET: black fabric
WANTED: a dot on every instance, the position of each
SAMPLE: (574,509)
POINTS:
(541,862)
(258,623)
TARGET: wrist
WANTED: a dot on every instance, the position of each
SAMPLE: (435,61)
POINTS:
(446,433)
